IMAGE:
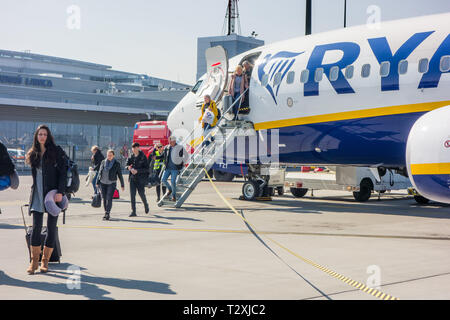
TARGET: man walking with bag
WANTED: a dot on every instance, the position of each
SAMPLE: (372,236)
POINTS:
(138,166)
(173,161)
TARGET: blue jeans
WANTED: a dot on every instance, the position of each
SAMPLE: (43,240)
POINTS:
(94,182)
(173,179)
(236,105)
(206,131)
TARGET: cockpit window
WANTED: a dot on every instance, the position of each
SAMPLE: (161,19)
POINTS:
(197,86)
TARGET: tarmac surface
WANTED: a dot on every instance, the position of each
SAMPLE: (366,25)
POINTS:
(205,251)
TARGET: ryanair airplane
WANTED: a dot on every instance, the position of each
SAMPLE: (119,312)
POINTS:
(356,96)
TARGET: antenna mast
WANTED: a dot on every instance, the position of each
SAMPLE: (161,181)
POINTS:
(232,19)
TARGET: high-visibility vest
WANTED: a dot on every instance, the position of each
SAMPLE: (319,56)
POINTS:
(158,163)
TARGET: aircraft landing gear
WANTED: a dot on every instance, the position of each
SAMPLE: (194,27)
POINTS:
(251,190)
(256,185)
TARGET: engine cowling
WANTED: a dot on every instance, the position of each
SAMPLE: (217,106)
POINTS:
(428,155)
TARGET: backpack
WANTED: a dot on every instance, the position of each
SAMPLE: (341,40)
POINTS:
(219,113)
(5,182)
(73,178)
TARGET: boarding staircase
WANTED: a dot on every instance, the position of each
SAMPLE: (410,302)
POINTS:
(204,156)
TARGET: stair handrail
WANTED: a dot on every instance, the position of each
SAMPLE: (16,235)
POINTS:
(220,120)
(196,150)
(195,165)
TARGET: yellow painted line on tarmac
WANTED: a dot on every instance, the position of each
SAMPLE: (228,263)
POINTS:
(358,285)
(148,228)
(157,229)
(259,232)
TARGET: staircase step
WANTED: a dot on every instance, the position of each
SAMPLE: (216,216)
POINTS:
(166,203)
(194,172)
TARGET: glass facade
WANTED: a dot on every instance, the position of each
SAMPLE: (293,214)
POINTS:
(75,139)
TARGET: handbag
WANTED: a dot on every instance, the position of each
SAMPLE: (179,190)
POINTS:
(14,180)
(154,180)
(97,200)
(116,194)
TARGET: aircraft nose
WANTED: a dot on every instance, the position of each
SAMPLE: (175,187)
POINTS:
(171,120)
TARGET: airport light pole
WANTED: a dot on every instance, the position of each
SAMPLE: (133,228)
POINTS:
(345,13)
(308,17)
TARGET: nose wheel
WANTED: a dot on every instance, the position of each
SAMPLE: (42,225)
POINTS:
(252,190)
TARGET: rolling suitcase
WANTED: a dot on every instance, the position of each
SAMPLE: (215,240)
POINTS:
(56,254)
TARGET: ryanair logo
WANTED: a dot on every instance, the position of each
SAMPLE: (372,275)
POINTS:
(280,62)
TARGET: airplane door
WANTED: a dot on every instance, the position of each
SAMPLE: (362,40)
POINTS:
(216,74)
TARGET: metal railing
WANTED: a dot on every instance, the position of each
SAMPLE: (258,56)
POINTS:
(188,138)
(207,137)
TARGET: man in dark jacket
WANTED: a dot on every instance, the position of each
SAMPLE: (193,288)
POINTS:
(96,160)
(138,166)
(6,164)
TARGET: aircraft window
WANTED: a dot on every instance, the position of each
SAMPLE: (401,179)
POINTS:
(403,66)
(445,64)
(265,80)
(385,66)
(197,86)
(290,77)
(318,75)
(349,72)
(334,73)
(365,70)
(277,79)
(423,65)
(304,76)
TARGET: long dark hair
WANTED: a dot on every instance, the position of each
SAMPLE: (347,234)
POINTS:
(33,157)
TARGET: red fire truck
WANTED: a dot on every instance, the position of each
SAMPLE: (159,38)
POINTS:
(149,132)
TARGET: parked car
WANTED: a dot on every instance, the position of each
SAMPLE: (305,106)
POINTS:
(18,157)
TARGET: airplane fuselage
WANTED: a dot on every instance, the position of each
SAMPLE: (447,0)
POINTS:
(351,96)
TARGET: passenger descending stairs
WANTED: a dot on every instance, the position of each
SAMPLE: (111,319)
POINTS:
(204,157)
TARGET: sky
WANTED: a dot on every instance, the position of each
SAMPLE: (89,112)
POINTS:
(159,38)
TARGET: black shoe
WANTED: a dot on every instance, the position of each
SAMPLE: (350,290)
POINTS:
(133,214)
(106,216)
(157,200)
(147,209)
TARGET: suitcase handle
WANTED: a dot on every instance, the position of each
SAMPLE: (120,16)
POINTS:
(23,216)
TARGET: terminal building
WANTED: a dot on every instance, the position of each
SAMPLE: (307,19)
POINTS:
(83,103)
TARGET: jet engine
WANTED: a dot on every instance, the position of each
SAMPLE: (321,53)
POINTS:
(428,155)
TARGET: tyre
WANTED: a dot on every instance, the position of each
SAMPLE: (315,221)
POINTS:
(223,176)
(280,191)
(298,192)
(421,199)
(251,190)
(365,191)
